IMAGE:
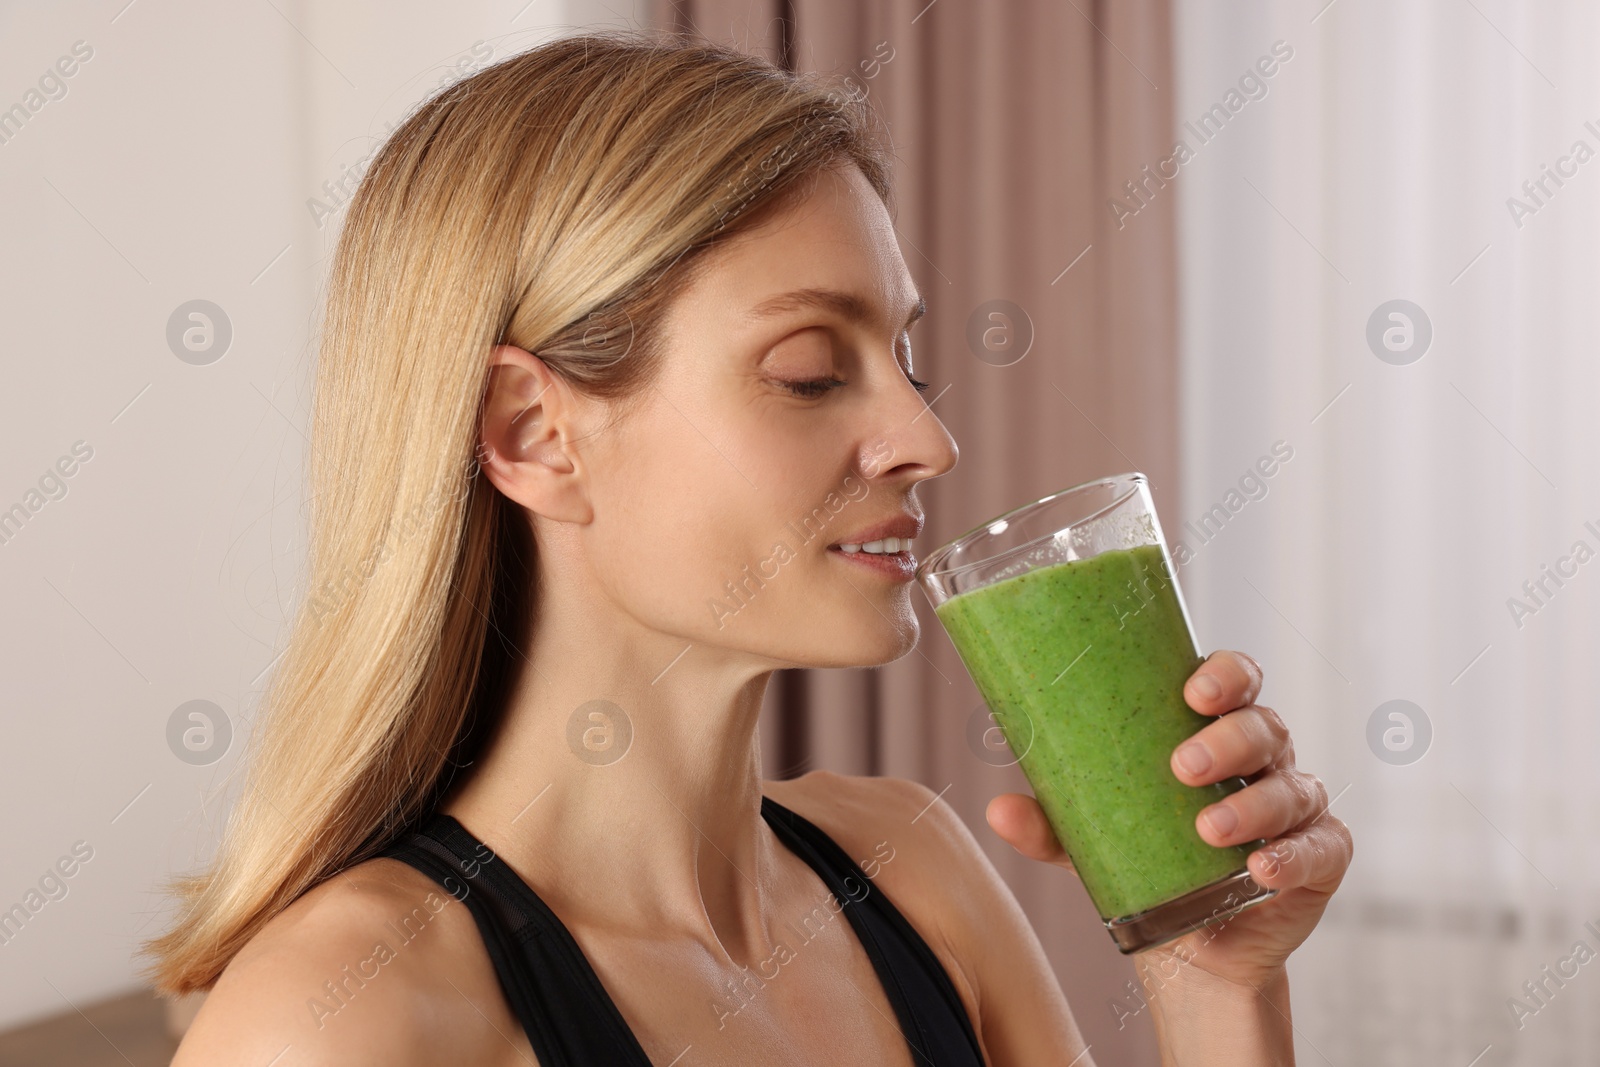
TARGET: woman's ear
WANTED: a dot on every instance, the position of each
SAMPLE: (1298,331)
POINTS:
(526,441)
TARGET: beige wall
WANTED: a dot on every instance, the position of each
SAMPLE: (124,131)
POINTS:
(176,166)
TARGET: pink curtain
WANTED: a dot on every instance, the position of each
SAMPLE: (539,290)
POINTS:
(1014,126)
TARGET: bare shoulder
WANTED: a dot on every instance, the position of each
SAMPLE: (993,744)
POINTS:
(864,812)
(905,827)
(942,880)
(376,965)
(910,843)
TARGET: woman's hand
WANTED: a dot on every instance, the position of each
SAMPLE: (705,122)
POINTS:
(1307,849)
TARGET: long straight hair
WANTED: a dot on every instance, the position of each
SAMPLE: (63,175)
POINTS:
(556,201)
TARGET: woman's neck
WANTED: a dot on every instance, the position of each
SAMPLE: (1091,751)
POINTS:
(628,794)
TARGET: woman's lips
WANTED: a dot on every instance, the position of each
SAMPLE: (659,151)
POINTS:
(899,566)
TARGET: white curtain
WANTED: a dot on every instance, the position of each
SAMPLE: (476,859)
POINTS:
(1386,559)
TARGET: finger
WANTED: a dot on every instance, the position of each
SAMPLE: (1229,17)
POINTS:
(1239,743)
(1020,822)
(1314,858)
(1280,801)
(1226,680)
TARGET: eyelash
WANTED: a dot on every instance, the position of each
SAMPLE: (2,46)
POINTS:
(815,387)
(812,388)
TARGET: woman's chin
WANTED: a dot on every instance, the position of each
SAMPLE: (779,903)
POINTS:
(883,643)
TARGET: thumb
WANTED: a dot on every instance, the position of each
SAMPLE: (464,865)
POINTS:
(1020,822)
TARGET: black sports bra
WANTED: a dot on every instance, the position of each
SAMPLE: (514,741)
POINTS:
(571,1020)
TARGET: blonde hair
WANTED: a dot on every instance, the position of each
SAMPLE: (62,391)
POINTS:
(556,201)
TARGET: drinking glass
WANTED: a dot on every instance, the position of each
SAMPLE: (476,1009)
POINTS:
(1068,616)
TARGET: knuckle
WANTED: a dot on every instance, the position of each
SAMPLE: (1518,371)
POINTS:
(1277,730)
(1342,834)
(1300,799)
(1316,791)
(1252,668)
(1298,791)
(1319,852)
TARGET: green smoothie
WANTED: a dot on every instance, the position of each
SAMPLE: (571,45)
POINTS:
(1083,665)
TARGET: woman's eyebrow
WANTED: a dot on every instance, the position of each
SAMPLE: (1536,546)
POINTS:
(850,306)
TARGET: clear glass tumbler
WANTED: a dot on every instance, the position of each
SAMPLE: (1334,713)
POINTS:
(1067,614)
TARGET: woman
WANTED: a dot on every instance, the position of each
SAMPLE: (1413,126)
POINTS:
(605,319)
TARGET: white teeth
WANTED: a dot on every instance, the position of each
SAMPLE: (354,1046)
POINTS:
(886,545)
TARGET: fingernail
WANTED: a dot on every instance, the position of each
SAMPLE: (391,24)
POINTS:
(1194,757)
(1271,862)
(1207,686)
(1222,819)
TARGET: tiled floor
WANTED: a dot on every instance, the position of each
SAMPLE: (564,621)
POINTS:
(126,1030)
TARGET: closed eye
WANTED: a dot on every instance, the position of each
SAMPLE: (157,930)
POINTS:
(815,387)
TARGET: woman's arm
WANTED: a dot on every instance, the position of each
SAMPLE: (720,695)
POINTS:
(1201,1019)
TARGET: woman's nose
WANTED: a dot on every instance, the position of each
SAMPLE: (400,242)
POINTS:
(915,439)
